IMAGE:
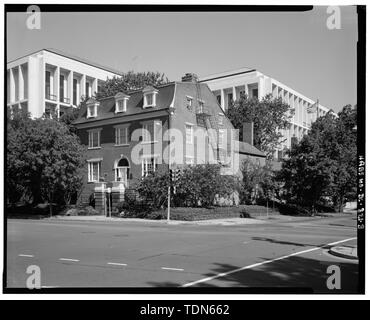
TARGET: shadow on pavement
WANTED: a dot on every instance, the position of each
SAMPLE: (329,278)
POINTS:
(283,242)
(298,272)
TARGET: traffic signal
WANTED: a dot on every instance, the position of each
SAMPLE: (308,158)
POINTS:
(175,175)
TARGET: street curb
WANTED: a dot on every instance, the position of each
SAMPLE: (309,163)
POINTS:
(222,222)
(344,252)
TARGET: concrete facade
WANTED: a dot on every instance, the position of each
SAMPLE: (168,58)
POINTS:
(228,87)
(49,81)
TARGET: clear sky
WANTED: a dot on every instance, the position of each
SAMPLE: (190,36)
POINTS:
(297,49)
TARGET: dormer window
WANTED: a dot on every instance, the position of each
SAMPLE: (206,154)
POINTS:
(92,108)
(150,97)
(121,102)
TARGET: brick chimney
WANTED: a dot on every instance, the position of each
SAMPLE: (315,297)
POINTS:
(248,132)
(190,77)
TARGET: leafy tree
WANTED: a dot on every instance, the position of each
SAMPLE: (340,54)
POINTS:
(131,81)
(323,164)
(344,153)
(258,182)
(268,115)
(69,116)
(43,157)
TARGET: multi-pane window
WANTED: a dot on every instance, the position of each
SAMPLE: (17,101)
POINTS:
(47,84)
(75,92)
(61,88)
(121,105)
(149,165)
(149,100)
(189,133)
(255,93)
(91,110)
(189,103)
(200,106)
(94,171)
(122,136)
(229,99)
(149,132)
(94,139)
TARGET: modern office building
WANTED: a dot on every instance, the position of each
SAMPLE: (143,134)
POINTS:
(49,81)
(228,86)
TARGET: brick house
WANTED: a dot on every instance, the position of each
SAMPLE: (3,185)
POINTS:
(126,134)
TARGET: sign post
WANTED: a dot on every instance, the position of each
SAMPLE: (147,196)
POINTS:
(109,191)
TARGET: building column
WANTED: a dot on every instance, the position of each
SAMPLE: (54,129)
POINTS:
(94,87)
(234,94)
(20,83)
(12,86)
(78,92)
(70,87)
(222,99)
(260,88)
(83,85)
(57,85)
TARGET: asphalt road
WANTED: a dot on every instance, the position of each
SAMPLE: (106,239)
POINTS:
(137,254)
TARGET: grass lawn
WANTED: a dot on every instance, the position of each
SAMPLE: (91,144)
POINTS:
(191,214)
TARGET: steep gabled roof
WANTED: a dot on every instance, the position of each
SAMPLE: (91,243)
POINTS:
(106,109)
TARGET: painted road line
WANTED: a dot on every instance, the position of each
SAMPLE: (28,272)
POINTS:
(172,269)
(116,264)
(26,255)
(71,260)
(264,262)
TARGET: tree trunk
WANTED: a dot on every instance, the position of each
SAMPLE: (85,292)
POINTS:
(51,203)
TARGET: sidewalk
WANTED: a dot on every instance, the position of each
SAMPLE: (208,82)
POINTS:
(223,222)
(346,252)
(262,219)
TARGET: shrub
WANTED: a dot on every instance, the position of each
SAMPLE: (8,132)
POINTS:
(245,214)
(294,210)
(196,186)
(133,206)
(88,211)
(153,189)
(200,185)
